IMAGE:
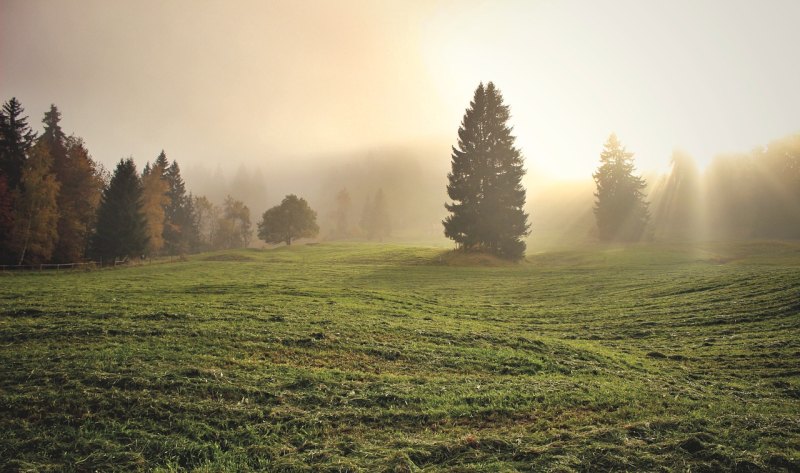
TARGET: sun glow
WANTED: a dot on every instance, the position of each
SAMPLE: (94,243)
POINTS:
(573,72)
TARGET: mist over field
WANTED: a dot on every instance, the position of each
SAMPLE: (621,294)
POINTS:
(399,236)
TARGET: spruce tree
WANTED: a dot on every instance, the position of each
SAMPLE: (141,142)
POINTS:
(16,139)
(620,208)
(485,181)
(121,224)
(55,140)
(178,212)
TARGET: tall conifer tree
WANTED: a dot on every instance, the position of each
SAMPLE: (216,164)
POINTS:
(620,208)
(485,181)
(121,224)
(178,224)
(16,138)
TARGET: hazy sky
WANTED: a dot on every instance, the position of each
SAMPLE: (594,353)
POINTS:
(274,83)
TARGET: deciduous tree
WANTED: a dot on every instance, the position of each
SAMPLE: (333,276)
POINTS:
(290,220)
(207,217)
(234,229)
(80,187)
(154,201)
(34,234)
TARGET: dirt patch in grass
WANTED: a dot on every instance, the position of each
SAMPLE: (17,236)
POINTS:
(471,258)
(228,257)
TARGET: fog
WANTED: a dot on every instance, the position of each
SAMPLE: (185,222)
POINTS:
(261,99)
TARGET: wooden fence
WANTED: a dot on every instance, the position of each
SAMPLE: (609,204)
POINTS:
(49,266)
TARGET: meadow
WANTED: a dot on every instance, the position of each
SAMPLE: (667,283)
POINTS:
(368,357)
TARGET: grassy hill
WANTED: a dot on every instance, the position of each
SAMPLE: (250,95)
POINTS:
(365,357)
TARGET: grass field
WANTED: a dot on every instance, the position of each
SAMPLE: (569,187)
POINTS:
(342,357)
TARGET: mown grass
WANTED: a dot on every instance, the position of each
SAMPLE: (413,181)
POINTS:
(365,357)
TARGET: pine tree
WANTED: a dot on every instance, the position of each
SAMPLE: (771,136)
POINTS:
(33,236)
(162,160)
(16,139)
(178,216)
(620,208)
(485,181)
(121,224)
(80,187)
(55,140)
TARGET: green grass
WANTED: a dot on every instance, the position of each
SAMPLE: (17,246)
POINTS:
(394,358)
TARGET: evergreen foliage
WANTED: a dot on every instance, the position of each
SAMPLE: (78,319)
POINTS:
(16,138)
(121,224)
(290,220)
(54,139)
(620,209)
(178,225)
(485,181)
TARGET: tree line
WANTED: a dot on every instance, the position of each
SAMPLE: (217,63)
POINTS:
(58,205)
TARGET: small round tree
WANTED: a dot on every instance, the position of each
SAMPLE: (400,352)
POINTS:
(289,221)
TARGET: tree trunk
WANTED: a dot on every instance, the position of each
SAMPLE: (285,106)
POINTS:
(27,237)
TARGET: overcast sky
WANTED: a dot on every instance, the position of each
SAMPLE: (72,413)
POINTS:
(273,83)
